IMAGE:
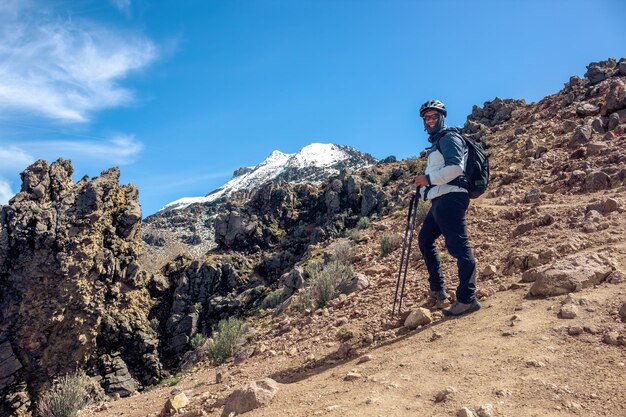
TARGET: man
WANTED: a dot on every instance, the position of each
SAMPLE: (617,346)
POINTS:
(444,184)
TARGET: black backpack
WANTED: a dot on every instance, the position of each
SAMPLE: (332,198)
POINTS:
(476,176)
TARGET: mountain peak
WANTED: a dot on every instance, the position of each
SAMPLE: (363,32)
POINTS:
(313,163)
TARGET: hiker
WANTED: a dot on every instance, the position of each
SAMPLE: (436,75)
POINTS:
(445,185)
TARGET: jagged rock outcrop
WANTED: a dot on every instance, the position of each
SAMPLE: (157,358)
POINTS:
(199,294)
(71,288)
(301,214)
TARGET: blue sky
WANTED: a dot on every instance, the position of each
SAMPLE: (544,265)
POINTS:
(181,93)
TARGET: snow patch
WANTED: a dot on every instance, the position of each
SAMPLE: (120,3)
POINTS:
(318,155)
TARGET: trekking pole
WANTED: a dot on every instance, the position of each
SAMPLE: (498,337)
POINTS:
(408,252)
(406,233)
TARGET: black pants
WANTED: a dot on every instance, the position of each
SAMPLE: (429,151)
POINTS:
(447,217)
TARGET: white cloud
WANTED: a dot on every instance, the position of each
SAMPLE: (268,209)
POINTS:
(5,191)
(14,159)
(121,149)
(65,68)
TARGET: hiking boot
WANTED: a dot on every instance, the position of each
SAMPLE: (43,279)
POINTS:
(459,308)
(437,299)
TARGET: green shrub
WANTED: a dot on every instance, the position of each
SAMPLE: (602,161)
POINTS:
(344,334)
(171,381)
(302,300)
(68,395)
(197,340)
(389,243)
(226,339)
(272,299)
(326,283)
(422,210)
(356,235)
(344,252)
(363,223)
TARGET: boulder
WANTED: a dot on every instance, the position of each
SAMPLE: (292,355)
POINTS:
(464,412)
(587,109)
(418,317)
(174,405)
(594,148)
(599,125)
(600,71)
(605,206)
(597,181)
(445,394)
(489,271)
(117,378)
(292,281)
(569,274)
(568,311)
(256,394)
(615,98)
(581,136)
(614,121)
(357,283)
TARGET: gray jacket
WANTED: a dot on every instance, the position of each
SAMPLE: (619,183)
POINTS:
(447,158)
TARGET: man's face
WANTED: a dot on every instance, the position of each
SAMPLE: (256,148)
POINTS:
(430,118)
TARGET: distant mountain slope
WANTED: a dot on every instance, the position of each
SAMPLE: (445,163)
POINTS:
(188,223)
(313,163)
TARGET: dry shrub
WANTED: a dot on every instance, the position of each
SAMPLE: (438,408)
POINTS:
(68,395)
(227,338)
(389,243)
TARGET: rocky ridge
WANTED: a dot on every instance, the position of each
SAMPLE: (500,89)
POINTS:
(548,235)
(72,292)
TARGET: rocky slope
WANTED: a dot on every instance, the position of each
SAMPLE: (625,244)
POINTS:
(187,223)
(549,238)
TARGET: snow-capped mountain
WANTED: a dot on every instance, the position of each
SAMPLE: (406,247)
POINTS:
(313,163)
(188,223)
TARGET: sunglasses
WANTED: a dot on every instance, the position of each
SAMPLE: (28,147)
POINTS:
(430,117)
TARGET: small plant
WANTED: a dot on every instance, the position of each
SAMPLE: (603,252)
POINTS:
(344,335)
(389,243)
(68,395)
(197,340)
(343,252)
(227,338)
(386,178)
(272,299)
(363,223)
(303,300)
(422,210)
(356,235)
(326,284)
(170,382)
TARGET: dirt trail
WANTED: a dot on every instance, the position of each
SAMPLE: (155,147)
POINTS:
(515,354)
